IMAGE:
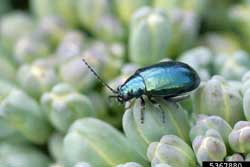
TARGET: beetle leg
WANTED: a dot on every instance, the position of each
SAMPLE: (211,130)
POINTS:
(142,109)
(159,106)
(177,98)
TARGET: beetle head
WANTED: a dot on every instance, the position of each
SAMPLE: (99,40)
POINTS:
(123,94)
(120,95)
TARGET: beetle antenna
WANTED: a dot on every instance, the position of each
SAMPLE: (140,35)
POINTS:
(98,77)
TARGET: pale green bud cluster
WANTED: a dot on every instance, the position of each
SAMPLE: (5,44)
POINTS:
(218,97)
(171,150)
(209,147)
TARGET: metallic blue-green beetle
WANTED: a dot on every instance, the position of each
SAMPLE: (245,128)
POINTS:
(168,79)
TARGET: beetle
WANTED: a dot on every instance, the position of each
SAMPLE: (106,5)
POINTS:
(169,80)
